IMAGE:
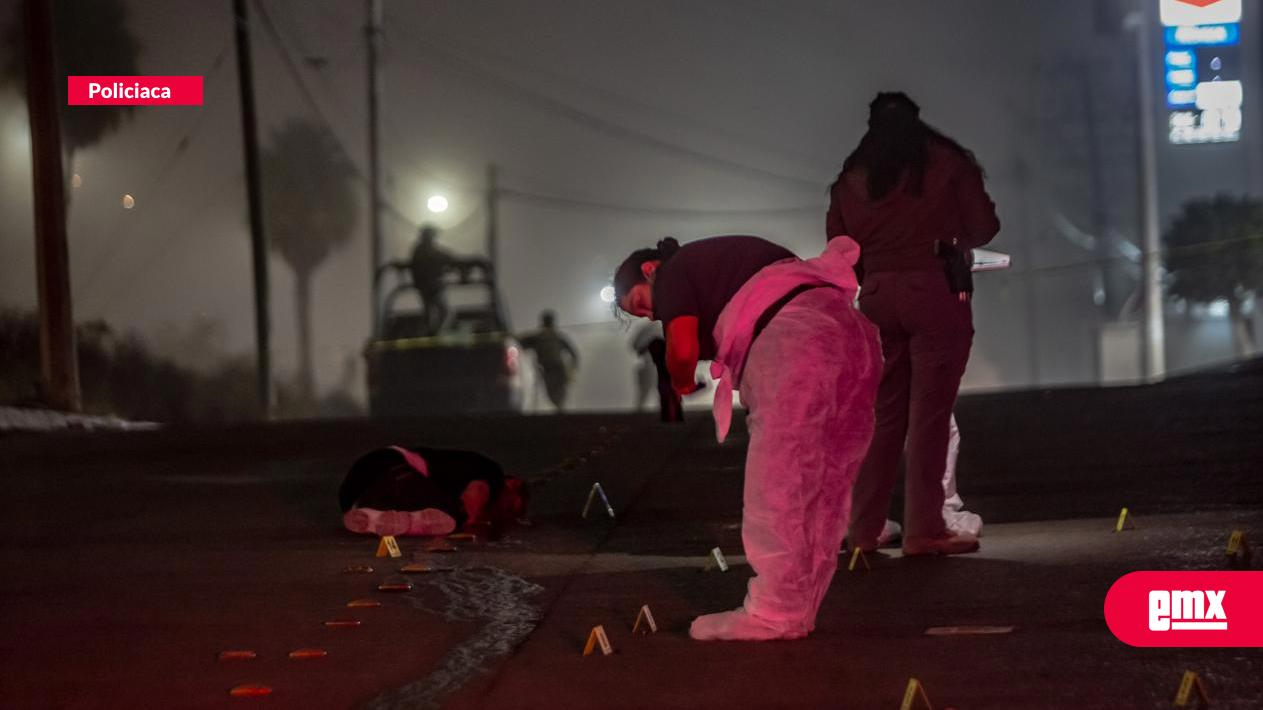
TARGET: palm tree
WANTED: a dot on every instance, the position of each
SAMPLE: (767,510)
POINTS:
(309,209)
(92,38)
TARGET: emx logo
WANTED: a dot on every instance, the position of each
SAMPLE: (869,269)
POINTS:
(1187,609)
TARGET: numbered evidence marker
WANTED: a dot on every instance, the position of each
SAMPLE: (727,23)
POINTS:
(438,544)
(388,546)
(250,690)
(857,556)
(1239,552)
(1125,521)
(596,636)
(716,560)
(915,690)
(645,616)
(592,494)
(1185,693)
(968,630)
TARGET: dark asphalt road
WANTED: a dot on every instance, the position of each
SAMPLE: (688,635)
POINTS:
(132,559)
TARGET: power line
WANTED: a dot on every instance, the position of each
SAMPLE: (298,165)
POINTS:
(588,120)
(310,99)
(573,202)
(582,203)
(431,40)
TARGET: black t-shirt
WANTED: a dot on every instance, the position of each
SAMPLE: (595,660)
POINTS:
(704,275)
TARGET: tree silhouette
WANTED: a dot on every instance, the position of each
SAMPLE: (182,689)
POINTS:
(309,210)
(92,38)
(1215,252)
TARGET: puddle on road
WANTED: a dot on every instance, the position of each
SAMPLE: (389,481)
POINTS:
(487,594)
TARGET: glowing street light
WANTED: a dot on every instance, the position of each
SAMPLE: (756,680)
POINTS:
(436,203)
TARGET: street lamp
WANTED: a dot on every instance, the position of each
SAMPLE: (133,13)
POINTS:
(436,204)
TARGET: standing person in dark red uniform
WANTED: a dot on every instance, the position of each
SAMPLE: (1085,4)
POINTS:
(913,199)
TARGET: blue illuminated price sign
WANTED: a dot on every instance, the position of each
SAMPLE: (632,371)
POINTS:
(1202,70)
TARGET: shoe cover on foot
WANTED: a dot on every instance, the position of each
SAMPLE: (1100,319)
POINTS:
(963,522)
(430,521)
(737,625)
(891,533)
(948,544)
(376,522)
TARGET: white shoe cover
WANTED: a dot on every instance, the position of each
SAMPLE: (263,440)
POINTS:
(375,522)
(891,532)
(737,625)
(963,521)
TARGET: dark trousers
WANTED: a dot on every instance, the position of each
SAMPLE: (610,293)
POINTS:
(926,333)
(670,405)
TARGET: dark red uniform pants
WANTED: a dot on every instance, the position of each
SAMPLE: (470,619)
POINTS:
(926,333)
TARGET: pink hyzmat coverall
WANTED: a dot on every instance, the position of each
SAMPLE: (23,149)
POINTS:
(809,381)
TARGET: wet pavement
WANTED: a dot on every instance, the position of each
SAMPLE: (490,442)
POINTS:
(133,559)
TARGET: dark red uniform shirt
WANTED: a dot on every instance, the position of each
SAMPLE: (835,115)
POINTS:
(897,232)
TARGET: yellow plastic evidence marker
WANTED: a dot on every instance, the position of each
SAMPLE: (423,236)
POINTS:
(388,546)
(915,690)
(596,636)
(1239,552)
(1185,693)
(646,616)
(1125,521)
(716,560)
(856,556)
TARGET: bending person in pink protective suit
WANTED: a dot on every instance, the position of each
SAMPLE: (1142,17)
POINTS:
(786,334)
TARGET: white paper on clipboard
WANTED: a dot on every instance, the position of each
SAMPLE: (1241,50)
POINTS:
(987,260)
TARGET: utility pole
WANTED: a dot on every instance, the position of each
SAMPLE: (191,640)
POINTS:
(493,198)
(373,32)
(59,363)
(258,237)
(493,237)
(1155,337)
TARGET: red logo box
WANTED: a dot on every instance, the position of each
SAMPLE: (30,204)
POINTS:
(1187,609)
(134,91)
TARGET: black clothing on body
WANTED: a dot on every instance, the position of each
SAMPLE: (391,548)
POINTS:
(383,480)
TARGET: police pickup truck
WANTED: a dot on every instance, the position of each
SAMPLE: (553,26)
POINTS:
(470,363)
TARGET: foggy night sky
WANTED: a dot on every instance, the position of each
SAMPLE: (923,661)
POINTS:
(643,105)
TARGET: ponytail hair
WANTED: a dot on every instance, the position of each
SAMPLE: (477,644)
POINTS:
(629,273)
(897,144)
